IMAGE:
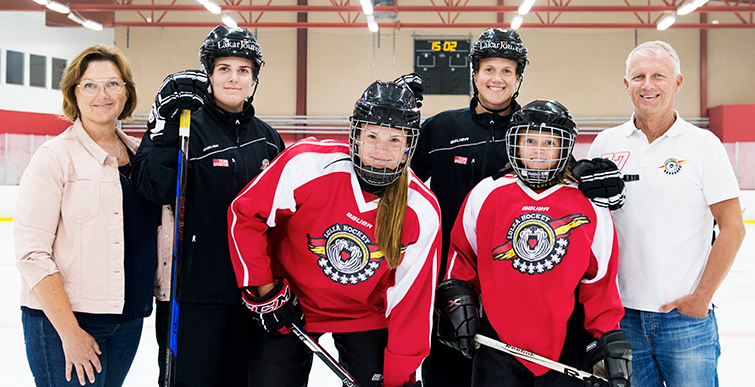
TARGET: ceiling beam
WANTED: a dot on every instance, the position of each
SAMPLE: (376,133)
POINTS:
(382,9)
(400,25)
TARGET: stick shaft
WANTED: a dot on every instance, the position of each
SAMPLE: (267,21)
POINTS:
(183,158)
(533,358)
(329,361)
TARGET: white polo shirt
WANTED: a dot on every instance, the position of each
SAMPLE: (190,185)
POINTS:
(665,227)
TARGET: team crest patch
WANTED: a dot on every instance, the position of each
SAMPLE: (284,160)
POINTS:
(672,166)
(265,163)
(536,243)
(346,254)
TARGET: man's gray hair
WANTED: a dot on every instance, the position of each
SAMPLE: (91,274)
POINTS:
(656,47)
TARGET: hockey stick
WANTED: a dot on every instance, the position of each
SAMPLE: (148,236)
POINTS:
(183,158)
(329,361)
(534,358)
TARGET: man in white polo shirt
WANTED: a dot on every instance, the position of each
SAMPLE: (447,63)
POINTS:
(668,270)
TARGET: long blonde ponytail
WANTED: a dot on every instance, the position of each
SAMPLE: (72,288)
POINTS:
(389,224)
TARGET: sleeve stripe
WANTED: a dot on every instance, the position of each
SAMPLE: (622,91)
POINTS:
(416,255)
(602,244)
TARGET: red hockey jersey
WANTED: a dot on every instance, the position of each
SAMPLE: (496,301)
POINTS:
(305,217)
(526,252)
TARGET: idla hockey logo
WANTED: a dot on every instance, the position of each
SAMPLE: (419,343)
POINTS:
(672,166)
(346,254)
(536,243)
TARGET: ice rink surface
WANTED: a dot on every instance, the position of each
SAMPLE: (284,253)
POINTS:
(735,301)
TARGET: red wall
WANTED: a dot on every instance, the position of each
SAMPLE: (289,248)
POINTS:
(733,123)
(32,123)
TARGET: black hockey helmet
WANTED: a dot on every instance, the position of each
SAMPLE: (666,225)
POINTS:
(384,104)
(499,43)
(536,118)
(228,41)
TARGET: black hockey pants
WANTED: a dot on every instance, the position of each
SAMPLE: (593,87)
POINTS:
(286,361)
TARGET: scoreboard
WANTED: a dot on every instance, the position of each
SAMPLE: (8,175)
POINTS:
(443,65)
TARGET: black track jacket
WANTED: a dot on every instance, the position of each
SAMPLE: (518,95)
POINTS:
(459,148)
(226,151)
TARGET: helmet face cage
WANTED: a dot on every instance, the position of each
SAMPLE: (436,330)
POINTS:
(540,141)
(538,153)
(381,152)
(384,132)
(226,41)
(499,43)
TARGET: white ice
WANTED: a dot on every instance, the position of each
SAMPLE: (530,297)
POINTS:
(736,319)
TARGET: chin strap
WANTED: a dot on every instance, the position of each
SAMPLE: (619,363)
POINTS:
(496,111)
(256,83)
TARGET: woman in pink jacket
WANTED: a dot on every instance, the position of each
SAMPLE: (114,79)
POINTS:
(85,240)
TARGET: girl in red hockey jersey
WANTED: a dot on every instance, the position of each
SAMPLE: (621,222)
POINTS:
(346,234)
(528,244)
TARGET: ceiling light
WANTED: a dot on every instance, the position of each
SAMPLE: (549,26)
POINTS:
(57,7)
(666,22)
(526,6)
(92,25)
(685,9)
(41,2)
(76,18)
(371,24)
(213,7)
(699,3)
(517,22)
(227,20)
(367,7)
(203,2)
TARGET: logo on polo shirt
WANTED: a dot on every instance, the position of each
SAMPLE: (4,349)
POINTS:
(672,166)
(536,243)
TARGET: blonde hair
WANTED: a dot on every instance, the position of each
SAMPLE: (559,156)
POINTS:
(78,66)
(389,225)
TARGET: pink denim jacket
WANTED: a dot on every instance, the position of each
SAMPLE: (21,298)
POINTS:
(69,220)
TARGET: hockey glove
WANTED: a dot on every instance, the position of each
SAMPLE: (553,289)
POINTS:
(615,354)
(276,310)
(595,382)
(600,180)
(182,90)
(414,82)
(457,305)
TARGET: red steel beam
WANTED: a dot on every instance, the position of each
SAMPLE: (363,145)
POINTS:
(400,25)
(401,8)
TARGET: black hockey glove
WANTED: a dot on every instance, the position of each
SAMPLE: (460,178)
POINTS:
(615,354)
(595,382)
(457,305)
(276,310)
(600,180)
(182,90)
(414,81)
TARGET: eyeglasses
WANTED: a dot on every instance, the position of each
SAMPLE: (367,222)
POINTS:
(92,86)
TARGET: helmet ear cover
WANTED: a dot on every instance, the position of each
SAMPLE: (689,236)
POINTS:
(384,105)
(539,118)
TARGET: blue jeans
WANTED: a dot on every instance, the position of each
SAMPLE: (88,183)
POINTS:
(117,342)
(672,347)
